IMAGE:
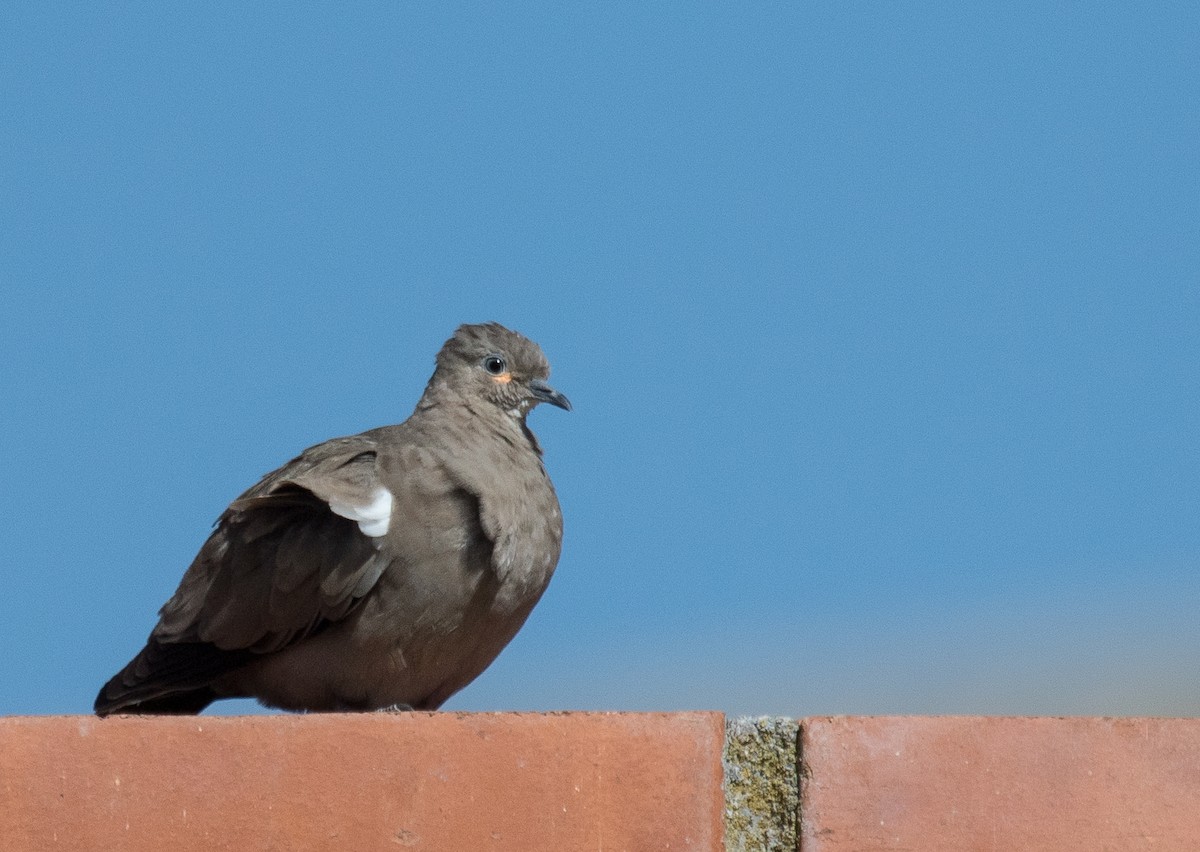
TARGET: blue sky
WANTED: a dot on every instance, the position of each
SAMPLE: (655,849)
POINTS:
(880,323)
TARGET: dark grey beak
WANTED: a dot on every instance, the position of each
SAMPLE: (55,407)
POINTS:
(542,392)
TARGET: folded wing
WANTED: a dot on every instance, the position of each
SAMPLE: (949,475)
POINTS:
(295,553)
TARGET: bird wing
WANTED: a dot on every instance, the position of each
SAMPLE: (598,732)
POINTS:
(299,549)
(294,553)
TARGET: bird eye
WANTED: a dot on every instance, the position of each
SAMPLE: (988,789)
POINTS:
(494,364)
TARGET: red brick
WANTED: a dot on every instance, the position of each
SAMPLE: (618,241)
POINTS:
(437,781)
(956,783)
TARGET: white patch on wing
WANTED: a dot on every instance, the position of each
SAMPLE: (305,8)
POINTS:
(373,518)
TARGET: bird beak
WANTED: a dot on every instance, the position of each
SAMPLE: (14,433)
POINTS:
(542,392)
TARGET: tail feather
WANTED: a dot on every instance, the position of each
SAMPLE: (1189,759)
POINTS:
(175,704)
(169,677)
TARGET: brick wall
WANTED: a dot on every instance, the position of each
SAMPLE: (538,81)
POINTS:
(597,781)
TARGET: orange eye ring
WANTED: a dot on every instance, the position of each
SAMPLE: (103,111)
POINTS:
(497,368)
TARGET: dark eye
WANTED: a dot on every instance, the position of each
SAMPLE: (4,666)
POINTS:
(494,364)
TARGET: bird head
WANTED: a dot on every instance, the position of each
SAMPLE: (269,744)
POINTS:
(488,361)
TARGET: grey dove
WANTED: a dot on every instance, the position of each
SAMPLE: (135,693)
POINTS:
(386,569)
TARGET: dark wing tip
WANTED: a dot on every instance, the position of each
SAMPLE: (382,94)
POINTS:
(169,678)
(187,703)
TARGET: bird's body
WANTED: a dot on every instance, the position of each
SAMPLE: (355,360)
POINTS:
(387,568)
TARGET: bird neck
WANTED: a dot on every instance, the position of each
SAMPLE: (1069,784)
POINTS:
(441,400)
